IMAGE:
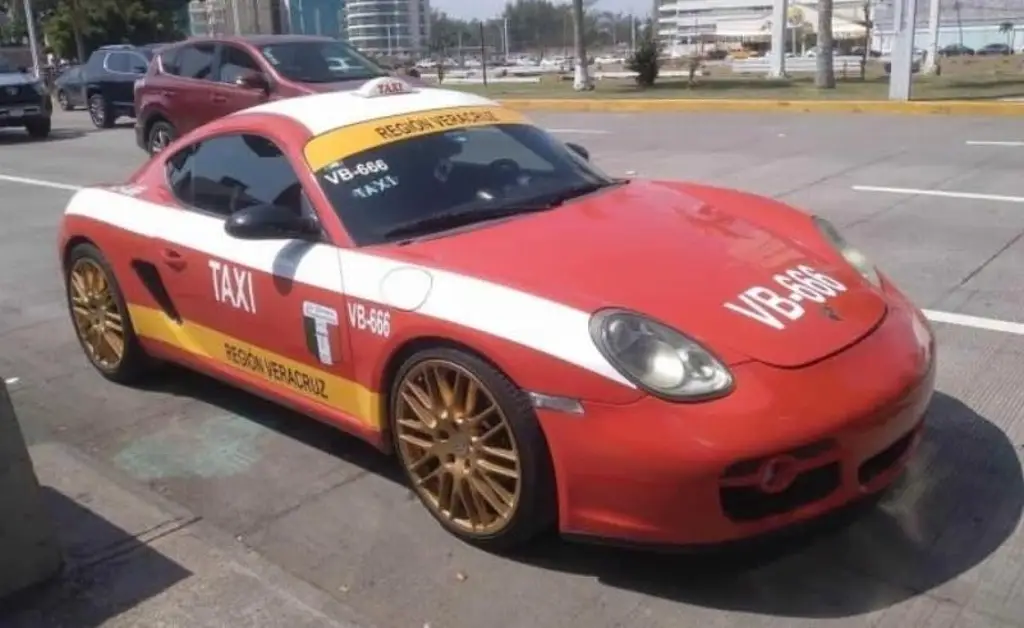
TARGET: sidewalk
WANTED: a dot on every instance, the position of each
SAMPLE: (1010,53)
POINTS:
(134,559)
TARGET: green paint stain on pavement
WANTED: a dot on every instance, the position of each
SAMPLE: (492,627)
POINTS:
(219,447)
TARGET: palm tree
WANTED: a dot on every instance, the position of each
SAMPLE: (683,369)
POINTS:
(1006,28)
(581,80)
(825,75)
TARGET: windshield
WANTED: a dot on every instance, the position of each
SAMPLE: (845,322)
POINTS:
(6,67)
(412,176)
(320,62)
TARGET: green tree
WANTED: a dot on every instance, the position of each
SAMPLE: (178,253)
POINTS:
(75,27)
(1007,29)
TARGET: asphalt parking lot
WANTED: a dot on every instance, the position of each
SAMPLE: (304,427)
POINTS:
(937,202)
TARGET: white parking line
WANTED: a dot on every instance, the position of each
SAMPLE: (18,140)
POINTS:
(53,185)
(992,143)
(950,318)
(977,322)
(977,196)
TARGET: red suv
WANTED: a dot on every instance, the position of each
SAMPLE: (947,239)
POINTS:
(198,80)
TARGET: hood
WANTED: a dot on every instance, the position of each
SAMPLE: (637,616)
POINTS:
(16,78)
(660,250)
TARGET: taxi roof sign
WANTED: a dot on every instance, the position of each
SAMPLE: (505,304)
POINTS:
(384,86)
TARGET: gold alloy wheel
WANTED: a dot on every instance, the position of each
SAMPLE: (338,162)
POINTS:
(458,447)
(97,317)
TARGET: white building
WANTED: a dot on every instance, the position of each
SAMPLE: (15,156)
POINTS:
(217,17)
(389,27)
(975,23)
(686,22)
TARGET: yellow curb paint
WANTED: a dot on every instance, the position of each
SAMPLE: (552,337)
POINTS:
(682,105)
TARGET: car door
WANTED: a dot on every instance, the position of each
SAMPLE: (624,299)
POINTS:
(123,68)
(226,96)
(266,313)
(188,93)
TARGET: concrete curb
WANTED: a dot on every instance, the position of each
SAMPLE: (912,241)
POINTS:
(319,606)
(683,105)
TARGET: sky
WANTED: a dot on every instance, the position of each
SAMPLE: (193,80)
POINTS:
(482,9)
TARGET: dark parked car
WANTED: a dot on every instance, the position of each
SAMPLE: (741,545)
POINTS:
(193,82)
(110,75)
(956,50)
(69,88)
(24,101)
(995,49)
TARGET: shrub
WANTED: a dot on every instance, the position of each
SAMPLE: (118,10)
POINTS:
(645,62)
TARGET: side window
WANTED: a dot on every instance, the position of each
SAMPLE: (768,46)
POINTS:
(196,61)
(235,62)
(116,62)
(179,173)
(224,174)
(169,61)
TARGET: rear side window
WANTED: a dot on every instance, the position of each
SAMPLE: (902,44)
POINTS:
(168,61)
(116,62)
(196,62)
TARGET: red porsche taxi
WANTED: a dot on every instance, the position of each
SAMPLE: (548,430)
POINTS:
(540,344)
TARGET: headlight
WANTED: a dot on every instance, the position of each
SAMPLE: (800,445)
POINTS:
(850,253)
(657,358)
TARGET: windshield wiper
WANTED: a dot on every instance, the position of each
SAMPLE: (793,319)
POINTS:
(463,217)
(453,219)
(549,201)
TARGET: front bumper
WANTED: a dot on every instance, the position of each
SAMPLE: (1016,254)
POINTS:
(19,112)
(787,446)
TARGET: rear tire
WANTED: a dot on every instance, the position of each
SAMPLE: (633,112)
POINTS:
(100,112)
(94,296)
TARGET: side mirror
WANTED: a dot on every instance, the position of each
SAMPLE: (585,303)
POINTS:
(269,222)
(579,150)
(253,80)
(22,69)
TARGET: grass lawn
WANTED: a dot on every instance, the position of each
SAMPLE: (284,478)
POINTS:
(962,79)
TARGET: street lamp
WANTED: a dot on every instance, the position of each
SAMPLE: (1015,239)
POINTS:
(33,43)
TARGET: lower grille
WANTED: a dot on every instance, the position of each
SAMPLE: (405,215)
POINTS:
(750,503)
(18,95)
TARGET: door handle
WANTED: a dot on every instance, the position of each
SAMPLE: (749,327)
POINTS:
(174,259)
(167,93)
(218,98)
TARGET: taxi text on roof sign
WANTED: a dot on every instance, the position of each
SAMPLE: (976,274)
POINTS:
(384,86)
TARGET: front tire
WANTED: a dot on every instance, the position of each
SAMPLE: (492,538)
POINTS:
(39,129)
(100,112)
(160,135)
(472,449)
(101,319)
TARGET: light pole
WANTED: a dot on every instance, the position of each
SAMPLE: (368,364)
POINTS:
(235,15)
(33,43)
(505,37)
(930,64)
